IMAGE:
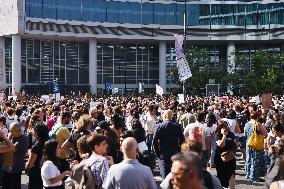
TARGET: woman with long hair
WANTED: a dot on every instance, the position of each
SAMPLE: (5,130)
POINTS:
(50,174)
(83,127)
(224,159)
(211,123)
(35,156)
(255,161)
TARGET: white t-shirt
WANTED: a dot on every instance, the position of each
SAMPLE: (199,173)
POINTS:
(232,125)
(11,119)
(128,121)
(48,171)
(212,129)
(150,125)
(198,132)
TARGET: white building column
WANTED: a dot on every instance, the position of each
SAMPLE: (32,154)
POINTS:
(16,63)
(2,64)
(231,58)
(93,65)
(162,64)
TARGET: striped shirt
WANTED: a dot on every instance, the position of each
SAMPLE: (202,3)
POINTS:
(99,169)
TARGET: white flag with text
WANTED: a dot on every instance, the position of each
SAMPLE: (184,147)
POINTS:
(159,90)
(183,68)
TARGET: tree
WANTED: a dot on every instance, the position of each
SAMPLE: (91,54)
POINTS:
(262,74)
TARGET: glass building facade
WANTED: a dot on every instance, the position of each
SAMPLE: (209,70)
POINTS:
(131,62)
(209,13)
(44,61)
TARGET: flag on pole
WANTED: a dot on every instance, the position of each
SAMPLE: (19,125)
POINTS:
(159,90)
(140,87)
(183,68)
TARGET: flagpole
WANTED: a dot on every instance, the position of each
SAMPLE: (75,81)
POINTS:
(184,48)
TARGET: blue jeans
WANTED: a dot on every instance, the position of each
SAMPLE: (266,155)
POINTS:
(213,149)
(149,142)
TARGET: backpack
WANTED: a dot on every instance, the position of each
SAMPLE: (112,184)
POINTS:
(52,133)
(83,175)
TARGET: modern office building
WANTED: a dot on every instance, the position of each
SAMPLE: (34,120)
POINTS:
(87,43)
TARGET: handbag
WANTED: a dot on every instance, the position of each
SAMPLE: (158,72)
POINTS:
(142,147)
(256,140)
(227,156)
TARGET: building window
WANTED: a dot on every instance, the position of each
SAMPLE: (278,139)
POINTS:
(158,13)
(130,63)
(43,61)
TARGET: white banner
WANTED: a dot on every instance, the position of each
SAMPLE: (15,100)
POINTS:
(159,90)
(181,98)
(57,97)
(183,69)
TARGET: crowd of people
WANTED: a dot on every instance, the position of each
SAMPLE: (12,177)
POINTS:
(116,142)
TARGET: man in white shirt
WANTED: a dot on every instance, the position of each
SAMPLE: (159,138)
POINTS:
(150,126)
(199,132)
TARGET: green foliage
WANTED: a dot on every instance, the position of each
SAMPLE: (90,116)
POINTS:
(264,74)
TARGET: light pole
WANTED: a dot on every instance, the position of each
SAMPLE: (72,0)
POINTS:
(125,72)
(184,43)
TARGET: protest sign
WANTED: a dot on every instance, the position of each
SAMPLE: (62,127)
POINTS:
(181,98)
(266,100)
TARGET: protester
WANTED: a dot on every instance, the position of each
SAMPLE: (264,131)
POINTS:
(150,126)
(273,174)
(187,171)
(209,180)
(199,132)
(61,133)
(3,126)
(129,174)
(211,123)
(167,141)
(50,174)
(12,173)
(35,156)
(100,162)
(10,117)
(224,159)
(279,183)
(82,128)
(255,163)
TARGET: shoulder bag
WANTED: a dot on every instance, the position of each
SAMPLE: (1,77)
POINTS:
(256,139)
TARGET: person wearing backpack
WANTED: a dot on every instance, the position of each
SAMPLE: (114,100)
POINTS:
(98,163)
(60,133)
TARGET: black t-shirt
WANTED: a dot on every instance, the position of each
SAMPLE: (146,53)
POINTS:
(37,149)
(229,143)
(242,120)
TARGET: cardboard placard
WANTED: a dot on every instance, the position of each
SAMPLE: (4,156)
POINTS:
(223,99)
(181,98)
(266,101)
